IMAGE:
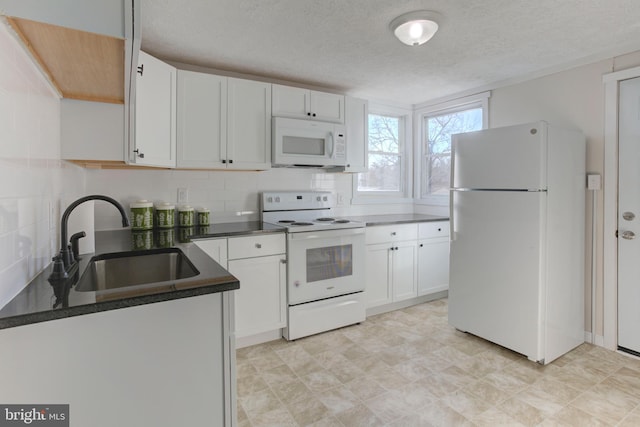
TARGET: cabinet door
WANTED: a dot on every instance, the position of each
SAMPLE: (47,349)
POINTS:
(202,112)
(327,107)
(357,123)
(404,270)
(378,289)
(433,265)
(155,119)
(260,303)
(248,124)
(215,248)
(289,101)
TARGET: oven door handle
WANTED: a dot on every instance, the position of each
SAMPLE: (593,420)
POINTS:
(323,234)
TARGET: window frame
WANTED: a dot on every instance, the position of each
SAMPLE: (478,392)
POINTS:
(480,100)
(406,164)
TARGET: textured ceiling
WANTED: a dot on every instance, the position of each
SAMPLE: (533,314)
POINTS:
(345,45)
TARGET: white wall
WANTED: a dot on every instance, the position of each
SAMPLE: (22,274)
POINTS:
(32,176)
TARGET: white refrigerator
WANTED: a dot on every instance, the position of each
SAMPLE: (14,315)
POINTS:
(517,238)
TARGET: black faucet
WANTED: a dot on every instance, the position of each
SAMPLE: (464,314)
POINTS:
(65,264)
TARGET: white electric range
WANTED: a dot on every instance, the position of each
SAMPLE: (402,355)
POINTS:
(325,261)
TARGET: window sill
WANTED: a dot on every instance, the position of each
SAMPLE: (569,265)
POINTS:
(379,200)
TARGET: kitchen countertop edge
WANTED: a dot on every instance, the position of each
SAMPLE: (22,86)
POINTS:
(394,219)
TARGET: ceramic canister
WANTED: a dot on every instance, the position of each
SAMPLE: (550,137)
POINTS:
(203,215)
(141,215)
(186,216)
(165,215)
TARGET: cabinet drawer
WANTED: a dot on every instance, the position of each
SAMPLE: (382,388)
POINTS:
(253,246)
(391,233)
(428,230)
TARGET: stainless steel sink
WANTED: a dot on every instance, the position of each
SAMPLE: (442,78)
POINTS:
(121,269)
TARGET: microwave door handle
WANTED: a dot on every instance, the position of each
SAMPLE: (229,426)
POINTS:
(331,146)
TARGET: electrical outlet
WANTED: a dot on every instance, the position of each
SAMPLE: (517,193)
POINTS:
(183,195)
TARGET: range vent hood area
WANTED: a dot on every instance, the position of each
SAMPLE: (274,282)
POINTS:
(88,50)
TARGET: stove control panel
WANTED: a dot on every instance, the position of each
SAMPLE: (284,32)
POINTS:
(297,200)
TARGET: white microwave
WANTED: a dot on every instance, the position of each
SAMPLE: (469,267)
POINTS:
(300,143)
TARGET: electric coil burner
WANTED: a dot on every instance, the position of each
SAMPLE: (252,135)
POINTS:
(325,262)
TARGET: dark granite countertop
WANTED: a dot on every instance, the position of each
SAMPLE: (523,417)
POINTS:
(391,219)
(231,229)
(35,303)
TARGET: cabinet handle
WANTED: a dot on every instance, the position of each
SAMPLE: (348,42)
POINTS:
(141,69)
(393,233)
(439,229)
(396,248)
(283,261)
(421,245)
(224,160)
(308,114)
(230,160)
(314,114)
(258,245)
(138,153)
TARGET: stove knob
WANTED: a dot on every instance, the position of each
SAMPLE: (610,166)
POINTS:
(325,198)
(318,198)
(269,199)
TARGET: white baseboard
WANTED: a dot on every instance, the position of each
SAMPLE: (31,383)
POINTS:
(258,338)
(599,339)
(372,311)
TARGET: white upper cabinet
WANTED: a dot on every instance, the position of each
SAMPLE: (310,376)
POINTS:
(202,120)
(248,124)
(300,103)
(155,119)
(356,121)
(223,123)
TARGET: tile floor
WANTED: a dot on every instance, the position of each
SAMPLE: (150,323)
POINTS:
(410,368)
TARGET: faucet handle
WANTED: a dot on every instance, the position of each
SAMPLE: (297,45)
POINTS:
(75,246)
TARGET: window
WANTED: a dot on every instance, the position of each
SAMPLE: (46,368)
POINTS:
(438,124)
(386,157)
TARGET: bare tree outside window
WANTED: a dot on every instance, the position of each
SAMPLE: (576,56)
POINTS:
(385,159)
(437,160)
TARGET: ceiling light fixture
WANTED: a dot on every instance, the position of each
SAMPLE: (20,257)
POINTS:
(415,28)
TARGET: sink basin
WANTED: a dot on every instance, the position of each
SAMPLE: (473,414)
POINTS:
(121,269)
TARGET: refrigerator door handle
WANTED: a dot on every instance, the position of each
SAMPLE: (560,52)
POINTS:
(452,228)
(452,168)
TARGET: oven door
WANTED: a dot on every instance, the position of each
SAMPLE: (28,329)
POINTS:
(324,264)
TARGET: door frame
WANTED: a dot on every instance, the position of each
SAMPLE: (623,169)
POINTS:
(610,242)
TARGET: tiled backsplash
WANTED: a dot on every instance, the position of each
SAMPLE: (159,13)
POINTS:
(231,196)
(32,176)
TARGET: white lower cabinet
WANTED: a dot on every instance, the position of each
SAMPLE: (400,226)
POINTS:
(259,263)
(164,364)
(406,261)
(404,273)
(433,257)
(260,301)
(391,264)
